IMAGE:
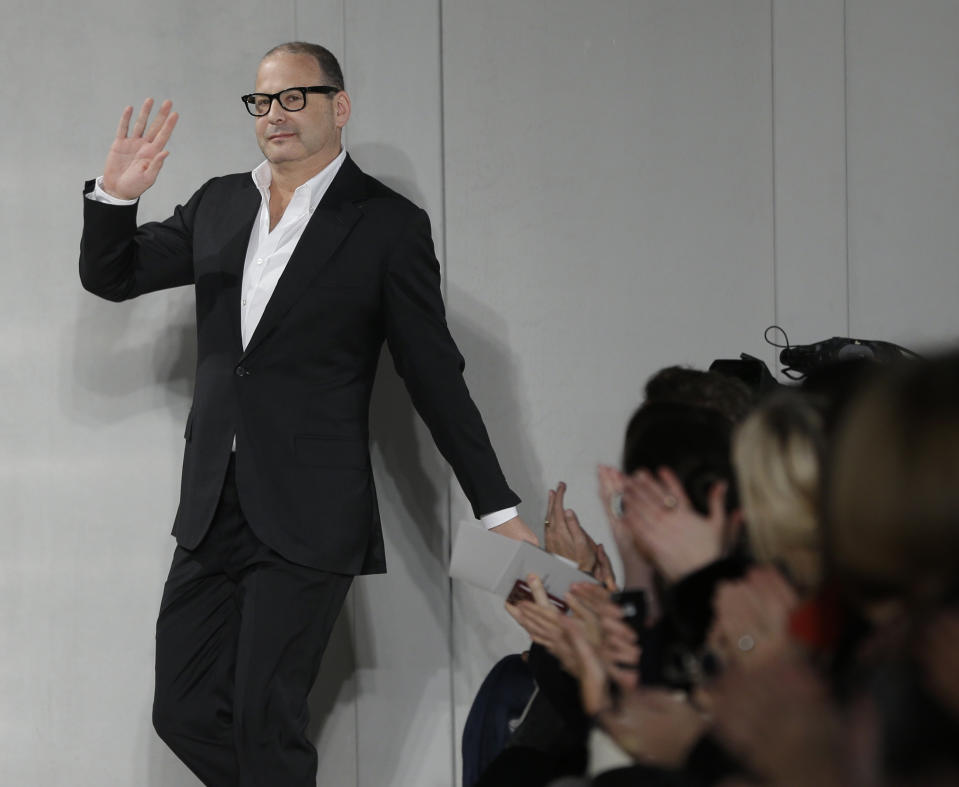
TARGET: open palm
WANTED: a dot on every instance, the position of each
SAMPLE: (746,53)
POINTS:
(136,156)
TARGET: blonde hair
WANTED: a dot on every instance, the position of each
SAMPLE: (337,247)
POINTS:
(777,454)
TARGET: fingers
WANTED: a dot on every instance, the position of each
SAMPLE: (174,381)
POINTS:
(717,501)
(604,569)
(153,168)
(583,545)
(593,686)
(672,486)
(166,130)
(124,123)
(751,621)
(663,491)
(538,623)
(543,630)
(647,503)
(610,479)
(159,130)
(591,593)
(577,533)
(141,121)
(564,535)
(539,592)
(158,121)
(554,525)
(617,631)
(591,623)
(611,483)
(557,516)
(515,613)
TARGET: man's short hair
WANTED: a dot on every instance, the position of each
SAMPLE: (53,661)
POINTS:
(712,390)
(327,61)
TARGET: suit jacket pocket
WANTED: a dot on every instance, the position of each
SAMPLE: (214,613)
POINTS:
(320,451)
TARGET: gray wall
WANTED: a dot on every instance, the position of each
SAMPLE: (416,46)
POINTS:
(614,186)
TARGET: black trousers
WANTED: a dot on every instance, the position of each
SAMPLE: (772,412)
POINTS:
(240,635)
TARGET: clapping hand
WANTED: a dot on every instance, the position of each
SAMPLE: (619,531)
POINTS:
(668,529)
(752,617)
(656,726)
(563,534)
(602,624)
(543,622)
(778,719)
(135,158)
(637,570)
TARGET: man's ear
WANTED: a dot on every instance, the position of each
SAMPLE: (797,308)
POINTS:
(341,108)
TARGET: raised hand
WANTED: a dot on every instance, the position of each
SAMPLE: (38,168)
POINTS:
(752,617)
(779,720)
(543,622)
(604,572)
(564,535)
(615,641)
(667,527)
(637,570)
(655,726)
(135,157)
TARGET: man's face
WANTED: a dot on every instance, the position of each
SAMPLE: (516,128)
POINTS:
(311,135)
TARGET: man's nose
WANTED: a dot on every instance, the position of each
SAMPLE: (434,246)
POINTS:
(276,111)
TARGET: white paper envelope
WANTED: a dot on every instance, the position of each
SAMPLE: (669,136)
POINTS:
(493,562)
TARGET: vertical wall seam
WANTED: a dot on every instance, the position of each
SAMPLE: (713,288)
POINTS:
(343,30)
(356,695)
(449,473)
(772,126)
(845,162)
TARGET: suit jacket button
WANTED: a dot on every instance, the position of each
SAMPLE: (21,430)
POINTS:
(241,371)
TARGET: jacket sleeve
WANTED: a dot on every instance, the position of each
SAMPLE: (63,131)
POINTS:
(427,359)
(119,260)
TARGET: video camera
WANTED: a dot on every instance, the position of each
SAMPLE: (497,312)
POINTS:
(800,360)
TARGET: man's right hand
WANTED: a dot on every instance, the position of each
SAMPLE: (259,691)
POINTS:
(135,158)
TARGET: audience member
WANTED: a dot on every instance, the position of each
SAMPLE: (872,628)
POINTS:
(808,637)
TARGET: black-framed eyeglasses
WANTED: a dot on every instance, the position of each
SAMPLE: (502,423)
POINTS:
(293,99)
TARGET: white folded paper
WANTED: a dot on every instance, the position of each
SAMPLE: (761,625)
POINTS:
(493,562)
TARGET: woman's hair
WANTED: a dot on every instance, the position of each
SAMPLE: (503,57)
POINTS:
(693,442)
(893,487)
(778,456)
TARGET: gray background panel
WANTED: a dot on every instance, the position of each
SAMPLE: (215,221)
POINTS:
(613,187)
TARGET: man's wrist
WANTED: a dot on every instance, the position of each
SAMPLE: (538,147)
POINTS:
(99,194)
(497,518)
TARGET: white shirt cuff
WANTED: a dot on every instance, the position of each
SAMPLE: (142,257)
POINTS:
(497,518)
(99,195)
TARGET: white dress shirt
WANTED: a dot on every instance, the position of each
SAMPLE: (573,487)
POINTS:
(269,252)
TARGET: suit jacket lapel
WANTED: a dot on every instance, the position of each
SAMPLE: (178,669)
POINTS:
(331,222)
(244,207)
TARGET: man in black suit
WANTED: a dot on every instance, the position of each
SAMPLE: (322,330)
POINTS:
(301,268)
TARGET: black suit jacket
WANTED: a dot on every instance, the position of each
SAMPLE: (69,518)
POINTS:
(297,399)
